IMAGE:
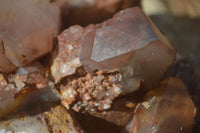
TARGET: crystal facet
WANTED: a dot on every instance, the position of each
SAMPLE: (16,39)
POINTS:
(27,29)
(128,43)
(114,43)
(166,109)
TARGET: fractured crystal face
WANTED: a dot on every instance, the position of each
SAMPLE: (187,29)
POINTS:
(27,29)
(67,60)
(166,109)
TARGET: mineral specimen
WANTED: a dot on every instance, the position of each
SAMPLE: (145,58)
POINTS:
(56,120)
(96,69)
(27,29)
(67,59)
(166,109)
(26,86)
(91,92)
(128,44)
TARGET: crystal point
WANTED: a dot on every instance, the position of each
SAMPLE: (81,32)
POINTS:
(27,29)
(128,43)
(117,40)
(124,34)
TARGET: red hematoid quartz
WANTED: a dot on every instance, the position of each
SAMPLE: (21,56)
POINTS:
(129,43)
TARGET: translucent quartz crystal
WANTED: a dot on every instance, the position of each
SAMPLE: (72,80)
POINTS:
(27,29)
(128,43)
(168,109)
(120,41)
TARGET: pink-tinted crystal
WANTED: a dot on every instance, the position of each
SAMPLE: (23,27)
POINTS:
(27,29)
(128,43)
(120,37)
(67,59)
(166,109)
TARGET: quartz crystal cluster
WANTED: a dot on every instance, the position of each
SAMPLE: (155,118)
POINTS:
(94,91)
(128,44)
(117,76)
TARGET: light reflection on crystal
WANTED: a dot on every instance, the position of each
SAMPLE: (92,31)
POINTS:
(168,109)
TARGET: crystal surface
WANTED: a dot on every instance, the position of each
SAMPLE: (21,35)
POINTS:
(116,40)
(128,43)
(166,109)
(25,86)
(123,35)
(27,29)
(91,92)
(67,60)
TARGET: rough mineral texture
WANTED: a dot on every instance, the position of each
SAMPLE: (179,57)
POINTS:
(27,29)
(128,44)
(166,109)
(112,120)
(67,59)
(91,92)
(26,86)
(55,120)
